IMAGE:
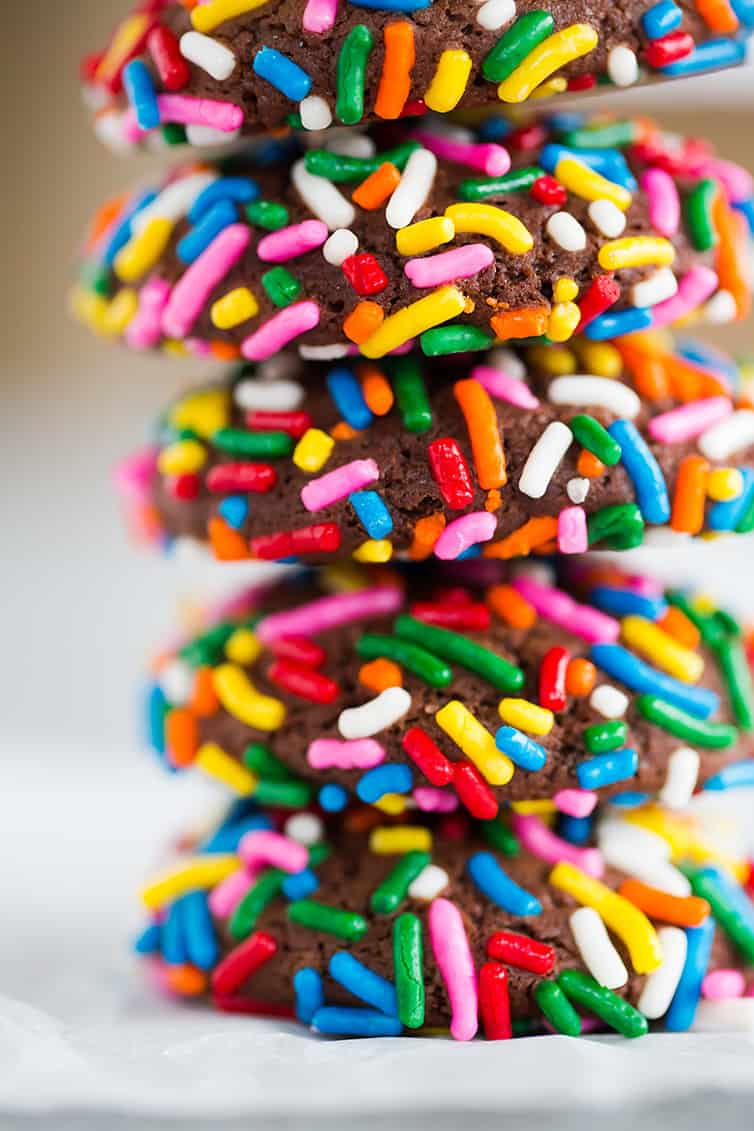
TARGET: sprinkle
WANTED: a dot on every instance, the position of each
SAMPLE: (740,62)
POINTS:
(607,218)
(240,699)
(336,921)
(410,656)
(388,897)
(680,1015)
(614,1011)
(143,250)
(413,190)
(526,716)
(427,756)
(681,778)
(607,769)
(622,66)
(644,471)
(516,181)
(426,235)
(663,201)
(411,321)
(395,80)
(627,668)
(475,741)
(326,613)
(596,949)
(493,14)
(341,1021)
(711,736)
(452,953)
(603,292)
(390,779)
(362,754)
(504,387)
(206,17)
(557,1008)
(451,473)
(564,229)
(239,964)
(460,263)
(459,649)
(322,198)
(516,45)
(651,640)
(579,178)
(279,330)
(429,883)
(232,309)
(281,72)
(193,874)
(408,964)
(449,81)
(550,55)
(494,1004)
(522,952)
(378,714)
(489,220)
(522,751)
(211,759)
(206,272)
(329,488)
(681,911)
(310,996)
(209,54)
(721,985)
(362,982)
(288,243)
(636,251)
(731,907)
(464,532)
(351,74)
(393,840)
(139,88)
(411,395)
(484,433)
(315,113)
(556,606)
(166,55)
(267,214)
(544,459)
(540,841)
(732,434)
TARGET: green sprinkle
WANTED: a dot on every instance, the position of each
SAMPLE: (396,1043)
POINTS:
(712,736)
(454,338)
(735,670)
(483,188)
(499,836)
(710,627)
(601,737)
(459,649)
(282,287)
(260,895)
(283,794)
(173,133)
(408,969)
(96,277)
(596,439)
(415,659)
(620,526)
(411,395)
(253,445)
(294,120)
(615,135)
(518,42)
(746,522)
(332,920)
(557,1008)
(261,761)
(586,992)
(207,650)
(267,214)
(697,212)
(711,885)
(340,167)
(351,74)
(393,890)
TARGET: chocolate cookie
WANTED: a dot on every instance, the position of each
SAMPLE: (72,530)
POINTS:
(373,242)
(231,67)
(468,685)
(369,928)
(409,458)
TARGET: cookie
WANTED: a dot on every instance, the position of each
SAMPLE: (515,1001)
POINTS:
(498,453)
(228,68)
(369,928)
(368,244)
(467,688)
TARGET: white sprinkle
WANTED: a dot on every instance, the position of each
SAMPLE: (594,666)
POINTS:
(174,201)
(253,395)
(315,113)
(177,682)
(414,188)
(376,715)
(607,218)
(322,198)
(608,701)
(544,459)
(564,229)
(660,285)
(602,392)
(622,66)
(304,828)
(536,571)
(350,143)
(429,883)
(680,779)
(323,353)
(731,1015)
(577,490)
(662,983)
(278,368)
(597,951)
(721,308)
(339,246)
(204,137)
(108,129)
(494,13)
(207,53)
(508,361)
(728,436)
(641,853)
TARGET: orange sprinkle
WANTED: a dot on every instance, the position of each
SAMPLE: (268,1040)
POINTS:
(377,187)
(227,544)
(650,378)
(683,911)
(395,80)
(181,736)
(106,215)
(732,252)
(364,319)
(224,351)
(204,701)
(494,501)
(533,534)
(580,677)
(508,604)
(376,389)
(689,497)
(380,674)
(677,624)
(588,465)
(484,433)
(361,820)
(529,322)
(426,533)
(186,980)
(718,16)
(343,431)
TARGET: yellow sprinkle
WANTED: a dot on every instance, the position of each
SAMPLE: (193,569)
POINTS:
(120,310)
(217,764)
(439,306)
(204,413)
(556,361)
(552,54)
(546,89)
(489,220)
(599,358)
(242,646)
(234,308)
(523,715)
(241,699)
(540,808)
(449,81)
(395,839)
(565,289)
(724,484)
(342,577)
(424,235)
(475,741)
(682,836)
(89,308)
(623,918)
(375,550)
(143,250)
(564,318)
(313,450)
(201,872)
(175,348)
(658,646)
(391,803)
(636,251)
(123,43)
(206,17)
(578,178)
(704,603)
(182,458)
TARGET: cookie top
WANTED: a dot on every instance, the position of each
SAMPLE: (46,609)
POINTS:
(468,685)
(498,453)
(230,67)
(399,234)
(370,928)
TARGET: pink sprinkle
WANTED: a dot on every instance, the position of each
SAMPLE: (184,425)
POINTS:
(458,263)
(319,15)
(335,485)
(494,160)
(689,420)
(662,197)
(198,347)
(694,288)
(330,612)
(452,952)
(724,983)
(181,108)
(287,243)
(193,289)
(279,330)
(224,899)
(575,802)
(463,532)
(431,800)
(543,843)
(145,328)
(647,586)
(133,475)
(354,754)
(737,182)
(556,606)
(504,387)
(262,848)
(572,536)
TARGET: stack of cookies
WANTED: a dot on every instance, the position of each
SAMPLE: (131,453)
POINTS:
(461,755)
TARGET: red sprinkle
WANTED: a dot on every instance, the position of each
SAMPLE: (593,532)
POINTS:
(582,82)
(494,1003)
(171,66)
(527,137)
(184,487)
(364,274)
(299,650)
(415,109)
(256,477)
(427,756)
(603,293)
(88,66)
(321,538)
(303,682)
(521,951)
(240,1003)
(453,595)
(451,472)
(242,962)
(466,615)
(548,191)
(675,45)
(294,423)
(552,679)
(473,791)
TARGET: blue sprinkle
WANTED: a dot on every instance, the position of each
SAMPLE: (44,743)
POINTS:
(662,18)
(214,221)
(624,666)
(521,749)
(372,513)
(566,120)
(727,515)
(708,56)
(198,930)
(389,778)
(139,88)
(148,941)
(609,162)
(494,129)
(310,996)
(333,798)
(234,509)
(174,949)
(273,152)
(300,884)
(490,878)
(470,552)
(615,325)
(363,983)
(156,706)
(744,9)
(629,799)
(242,190)
(701,353)
(226,839)
(734,776)
(626,602)
(746,208)
(282,73)
(393,5)
(731,894)
(680,1015)
(339,1021)
(345,390)
(644,472)
(123,232)
(607,769)
(576,830)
